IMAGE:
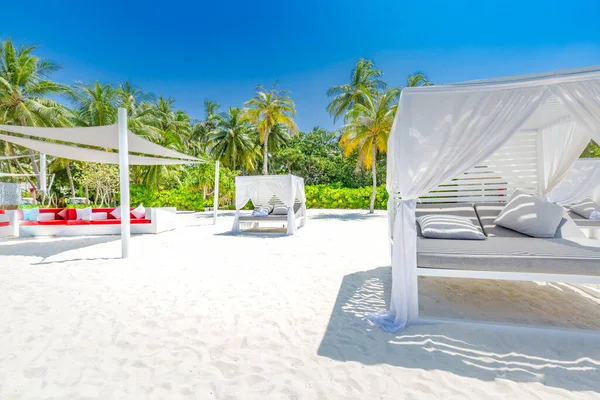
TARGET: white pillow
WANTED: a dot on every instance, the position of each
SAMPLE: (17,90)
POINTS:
(280,210)
(530,215)
(45,217)
(83,214)
(586,207)
(139,212)
(98,216)
(116,212)
(442,226)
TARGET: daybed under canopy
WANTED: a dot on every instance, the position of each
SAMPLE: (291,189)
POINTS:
(287,190)
(443,133)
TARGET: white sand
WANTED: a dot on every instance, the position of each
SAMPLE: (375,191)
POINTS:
(199,314)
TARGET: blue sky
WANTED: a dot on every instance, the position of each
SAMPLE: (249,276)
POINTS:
(192,50)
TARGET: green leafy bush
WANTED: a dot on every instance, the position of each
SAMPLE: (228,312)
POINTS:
(329,196)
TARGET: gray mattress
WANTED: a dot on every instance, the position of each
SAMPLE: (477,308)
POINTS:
(509,251)
(268,218)
(512,254)
(584,222)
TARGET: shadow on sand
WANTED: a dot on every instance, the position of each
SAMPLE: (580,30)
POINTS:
(355,216)
(481,351)
(48,247)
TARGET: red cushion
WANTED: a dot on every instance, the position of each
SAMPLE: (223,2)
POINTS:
(106,221)
(28,223)
(5,223)
(55,222)
(54,211)
(20,214)
(2,212)
(78,222)
(71,213)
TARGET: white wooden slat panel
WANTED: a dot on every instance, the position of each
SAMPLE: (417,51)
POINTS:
(515,165)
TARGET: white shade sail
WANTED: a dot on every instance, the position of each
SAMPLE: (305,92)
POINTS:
(99,136)
(88,155)
(442,131)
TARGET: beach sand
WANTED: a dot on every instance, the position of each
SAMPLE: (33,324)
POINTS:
(200,314)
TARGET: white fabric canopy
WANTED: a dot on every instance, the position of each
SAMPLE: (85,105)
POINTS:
(562,144)
(261,188)
(583,180)
(88,155)
(441,131)
(99,136)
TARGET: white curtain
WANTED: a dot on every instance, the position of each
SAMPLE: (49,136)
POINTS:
(582,100)
(562,144)
(260,189)
(583,180)
(435,138)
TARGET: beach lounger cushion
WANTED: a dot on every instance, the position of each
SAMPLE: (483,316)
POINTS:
(530,215)
(445,226)
(587,208)
(512,254)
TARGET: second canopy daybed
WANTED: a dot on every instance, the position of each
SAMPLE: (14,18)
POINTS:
(285,191)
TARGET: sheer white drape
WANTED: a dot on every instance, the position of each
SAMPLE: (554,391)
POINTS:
(583,180)
(260,189)
(435,138)
(562,145)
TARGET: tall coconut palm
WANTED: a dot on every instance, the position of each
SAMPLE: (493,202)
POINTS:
(24,90)
(266,110)
(367,130)
(233,140)
(201,130)
(169,128)
(418,79)
(94,104)
(365,78)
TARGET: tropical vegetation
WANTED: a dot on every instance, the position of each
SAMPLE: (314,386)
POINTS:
(343,168)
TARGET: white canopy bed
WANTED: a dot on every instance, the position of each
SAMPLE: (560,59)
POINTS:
(475,142)
(285,190)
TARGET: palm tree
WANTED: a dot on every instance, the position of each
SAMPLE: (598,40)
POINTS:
(363,79)
(268,109)
(169,128)
(94,105)
(233,140)
(202,129)
(367,130)
(418,79)
(24,87)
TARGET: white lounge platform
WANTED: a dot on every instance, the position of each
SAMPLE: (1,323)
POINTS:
(162,220)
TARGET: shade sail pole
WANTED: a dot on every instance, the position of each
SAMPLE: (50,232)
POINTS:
(42,185)
(216,193)
(124,182)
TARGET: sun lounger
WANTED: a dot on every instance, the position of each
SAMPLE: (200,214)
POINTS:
(568,257)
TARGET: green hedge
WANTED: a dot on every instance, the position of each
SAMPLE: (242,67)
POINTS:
(319,196)
(327,196)
(183,197)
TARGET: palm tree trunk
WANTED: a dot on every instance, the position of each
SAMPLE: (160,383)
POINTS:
(266,154)
(374,171)
(68,168)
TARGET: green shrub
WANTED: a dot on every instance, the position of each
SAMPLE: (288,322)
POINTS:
(329,196)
